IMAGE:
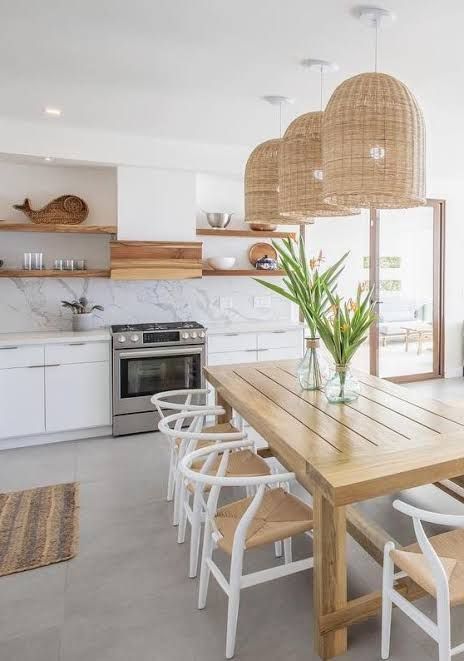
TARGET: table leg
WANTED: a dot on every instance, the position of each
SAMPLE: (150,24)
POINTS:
(330,581)
(406,342)
(220,401)
(419,344)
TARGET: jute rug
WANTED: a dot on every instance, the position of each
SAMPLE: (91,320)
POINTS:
(38,527)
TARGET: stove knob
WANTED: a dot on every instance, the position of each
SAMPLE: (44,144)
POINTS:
(193,335)
(134,338)
(185,335)
(202,334)
(122,338)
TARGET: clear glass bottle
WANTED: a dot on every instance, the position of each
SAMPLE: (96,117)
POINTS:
(313,371)
(342,386)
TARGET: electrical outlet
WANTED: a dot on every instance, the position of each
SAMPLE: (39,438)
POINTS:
(225,302)
(261,301)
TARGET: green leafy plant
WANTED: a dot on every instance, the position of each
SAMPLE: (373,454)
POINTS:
(346,326)
(81,306)
(304,283)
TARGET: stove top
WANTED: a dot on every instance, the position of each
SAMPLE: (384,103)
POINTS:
(175,325)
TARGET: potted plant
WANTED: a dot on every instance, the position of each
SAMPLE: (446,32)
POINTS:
(82,313)
(308,287)
(343,331)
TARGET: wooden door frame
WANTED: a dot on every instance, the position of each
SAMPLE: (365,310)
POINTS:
(439,220)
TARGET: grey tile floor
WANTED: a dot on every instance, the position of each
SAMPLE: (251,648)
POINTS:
(126,594)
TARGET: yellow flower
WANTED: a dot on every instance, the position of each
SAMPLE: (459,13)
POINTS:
(352,305)
(345,328)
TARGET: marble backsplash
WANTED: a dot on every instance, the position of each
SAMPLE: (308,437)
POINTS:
(28,304)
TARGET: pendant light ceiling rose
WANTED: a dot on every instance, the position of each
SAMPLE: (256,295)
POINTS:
(319,65)
(374,17)
(276,100)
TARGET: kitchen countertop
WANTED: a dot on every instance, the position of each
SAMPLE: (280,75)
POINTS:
(252,326)
(54,337)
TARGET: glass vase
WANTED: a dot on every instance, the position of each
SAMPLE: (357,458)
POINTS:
(342,386)
(313,371)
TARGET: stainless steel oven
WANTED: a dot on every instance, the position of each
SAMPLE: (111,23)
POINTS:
(148,361)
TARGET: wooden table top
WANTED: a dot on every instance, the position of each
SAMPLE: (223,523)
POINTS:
(387,440)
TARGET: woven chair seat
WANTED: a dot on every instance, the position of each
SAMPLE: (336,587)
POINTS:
(243,463)
(280,515)
(222,428)
(450,548)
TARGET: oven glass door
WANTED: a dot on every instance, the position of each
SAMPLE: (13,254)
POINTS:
(146,372)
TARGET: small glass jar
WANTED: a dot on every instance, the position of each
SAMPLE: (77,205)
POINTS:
(69,265)
(27,261)
(313,371)
(58,264)
(342,386)
(80,264)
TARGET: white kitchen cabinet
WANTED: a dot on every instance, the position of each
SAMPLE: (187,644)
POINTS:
(77,396)
(284,353)
(22,401)
(231,357)
(54,387)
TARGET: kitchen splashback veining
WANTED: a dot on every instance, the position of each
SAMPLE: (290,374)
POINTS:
(28,304)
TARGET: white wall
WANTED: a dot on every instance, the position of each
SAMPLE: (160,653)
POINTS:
(156,205)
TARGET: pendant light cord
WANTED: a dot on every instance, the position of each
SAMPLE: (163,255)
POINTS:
(376,44)
(280,119)
(322,86)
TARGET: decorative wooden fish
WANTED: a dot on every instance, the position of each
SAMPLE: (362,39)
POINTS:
(66,210)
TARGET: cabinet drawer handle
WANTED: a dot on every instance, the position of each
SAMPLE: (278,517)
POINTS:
(278,331)
(76,344)
(5,348)
(254,350)
(53,365)
(33,367)
(262,349)
(230,334)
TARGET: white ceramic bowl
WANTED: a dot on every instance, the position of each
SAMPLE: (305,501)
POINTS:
(222,263)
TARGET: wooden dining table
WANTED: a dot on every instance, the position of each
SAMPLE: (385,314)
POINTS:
(387,440)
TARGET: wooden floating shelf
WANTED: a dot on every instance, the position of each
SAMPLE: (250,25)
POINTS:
(244,272)
(65,229)
(48,273)
(245,233)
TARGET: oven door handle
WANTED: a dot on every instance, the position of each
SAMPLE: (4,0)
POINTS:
(156,353)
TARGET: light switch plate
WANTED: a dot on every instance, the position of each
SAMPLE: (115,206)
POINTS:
(261,301)
(225,302)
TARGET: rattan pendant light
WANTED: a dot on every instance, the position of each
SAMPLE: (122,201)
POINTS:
(262,181)
(300,163)
(373,140)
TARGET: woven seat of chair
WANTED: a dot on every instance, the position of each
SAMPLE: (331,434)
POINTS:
(450,549)
(242,463)
(280,515)
(222,428)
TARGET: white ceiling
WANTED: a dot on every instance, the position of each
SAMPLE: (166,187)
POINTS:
(195,69)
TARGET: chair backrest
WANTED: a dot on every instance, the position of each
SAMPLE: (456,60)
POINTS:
(179,400)
(173,426)
(433,559)
(216,482)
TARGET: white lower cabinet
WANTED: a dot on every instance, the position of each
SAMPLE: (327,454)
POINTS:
(250,347)
(54,388)
(22,401)
(284,353)
(77,396)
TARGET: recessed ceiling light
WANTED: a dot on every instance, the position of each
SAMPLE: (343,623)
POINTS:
(55,112)
(48,158)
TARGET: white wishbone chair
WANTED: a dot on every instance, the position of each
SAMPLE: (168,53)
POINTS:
(245,462)
(181,401)
(271,515)
(436,564)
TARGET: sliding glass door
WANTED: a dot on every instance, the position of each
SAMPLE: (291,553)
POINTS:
(400,254)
